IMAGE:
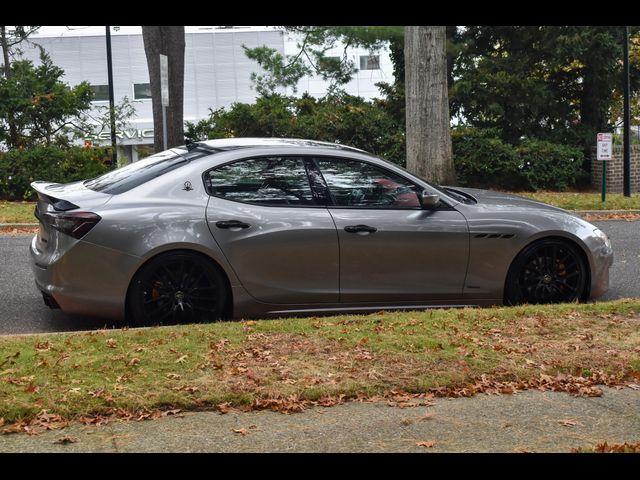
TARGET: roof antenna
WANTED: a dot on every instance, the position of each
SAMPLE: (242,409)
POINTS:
(190,145)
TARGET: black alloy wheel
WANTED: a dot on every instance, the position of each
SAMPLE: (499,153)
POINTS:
(548,271)
(177,287)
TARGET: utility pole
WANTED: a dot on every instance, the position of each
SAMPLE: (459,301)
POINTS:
(112,113)
(627,119)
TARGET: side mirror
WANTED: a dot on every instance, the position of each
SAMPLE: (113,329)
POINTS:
(428,200)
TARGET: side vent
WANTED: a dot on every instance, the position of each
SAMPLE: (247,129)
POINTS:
(494,235)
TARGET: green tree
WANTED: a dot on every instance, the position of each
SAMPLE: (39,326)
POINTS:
(10,40)
(40,106)
(556,83)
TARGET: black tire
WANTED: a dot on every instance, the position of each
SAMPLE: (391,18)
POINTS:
(177,287)
(547,271)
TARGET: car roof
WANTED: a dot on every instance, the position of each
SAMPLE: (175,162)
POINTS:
(229,143)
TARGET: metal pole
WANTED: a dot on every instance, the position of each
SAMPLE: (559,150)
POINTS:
(164,127)
(604,180)
(627,119)
(112,113)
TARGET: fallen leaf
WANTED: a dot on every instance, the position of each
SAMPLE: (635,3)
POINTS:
(66,440)
(427,416)
(182,359)
(171,412)
(568,423)
(241,431)
(32,388)
(44,346)
(425,444)
(111,343)
(522,450)
(223,407)
(15,428)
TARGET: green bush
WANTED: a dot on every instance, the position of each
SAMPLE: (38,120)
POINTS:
(339,118)
(18,168)
(550,166)
(482,160)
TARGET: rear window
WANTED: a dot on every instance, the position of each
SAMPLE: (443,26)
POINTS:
(130,176)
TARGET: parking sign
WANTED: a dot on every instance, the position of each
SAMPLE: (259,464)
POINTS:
(605,146)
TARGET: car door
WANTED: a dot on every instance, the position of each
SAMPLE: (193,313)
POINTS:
(274,230)
(390,248)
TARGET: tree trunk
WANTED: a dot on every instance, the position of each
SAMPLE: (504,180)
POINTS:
(169,41)
(5,51)
(4,43)
(429,153)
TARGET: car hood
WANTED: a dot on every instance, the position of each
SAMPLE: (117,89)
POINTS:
(509,201)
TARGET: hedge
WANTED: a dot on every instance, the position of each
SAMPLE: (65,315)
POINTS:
(18,168)
(482,160)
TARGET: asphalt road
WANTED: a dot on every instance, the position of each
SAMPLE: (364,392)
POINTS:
(529,421)
(23,311)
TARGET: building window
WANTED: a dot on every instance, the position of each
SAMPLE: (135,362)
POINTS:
(141,91)
(101,93)
(370,62)
(329,63)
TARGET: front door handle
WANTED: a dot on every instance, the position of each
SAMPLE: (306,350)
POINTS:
(232,224)
(360,228)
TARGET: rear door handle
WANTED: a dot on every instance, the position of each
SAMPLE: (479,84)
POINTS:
(360,228)
(232,224)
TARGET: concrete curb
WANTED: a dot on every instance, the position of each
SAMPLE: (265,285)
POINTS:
(605,212)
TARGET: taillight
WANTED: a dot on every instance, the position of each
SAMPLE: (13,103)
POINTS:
(74,224)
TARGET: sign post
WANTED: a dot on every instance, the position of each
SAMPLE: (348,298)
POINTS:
(164,91)
(605,153)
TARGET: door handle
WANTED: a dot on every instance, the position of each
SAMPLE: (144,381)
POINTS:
(360,228)
(232,224)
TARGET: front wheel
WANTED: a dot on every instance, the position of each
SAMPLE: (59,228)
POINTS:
(177,287)
(548,271)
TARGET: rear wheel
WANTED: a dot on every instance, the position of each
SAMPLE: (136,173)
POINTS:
(548,271)
(177,287)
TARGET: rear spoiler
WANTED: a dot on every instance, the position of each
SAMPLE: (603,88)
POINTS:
(57,203)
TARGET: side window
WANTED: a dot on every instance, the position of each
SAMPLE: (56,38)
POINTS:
(359,184)
(264,181)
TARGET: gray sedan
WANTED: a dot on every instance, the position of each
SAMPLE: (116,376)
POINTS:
(248,227)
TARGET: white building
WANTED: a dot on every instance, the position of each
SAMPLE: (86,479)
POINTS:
(217,71)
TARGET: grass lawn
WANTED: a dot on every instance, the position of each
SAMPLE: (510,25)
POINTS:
(586,200)
(22,212)
(17,212)
(280,364)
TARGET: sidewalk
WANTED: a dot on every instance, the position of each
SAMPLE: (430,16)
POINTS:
(530,421)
